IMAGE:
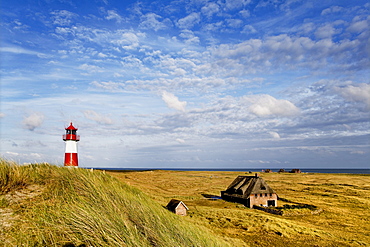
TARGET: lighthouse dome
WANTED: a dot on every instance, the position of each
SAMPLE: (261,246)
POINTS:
(71,127)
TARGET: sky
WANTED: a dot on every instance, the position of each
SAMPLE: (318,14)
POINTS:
(187,83)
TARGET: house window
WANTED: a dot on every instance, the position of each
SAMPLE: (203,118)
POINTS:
(266,194)
(270,194)
(256,195)
(263,188)
(260,195)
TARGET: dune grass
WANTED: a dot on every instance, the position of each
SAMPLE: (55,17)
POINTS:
(343,198)
(47,205)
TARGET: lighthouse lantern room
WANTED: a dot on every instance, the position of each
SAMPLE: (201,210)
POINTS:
(71,138)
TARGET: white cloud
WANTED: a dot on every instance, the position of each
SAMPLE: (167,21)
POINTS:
(234,23)
(213,27)
(357,93)
(275,135)
(109,86)
(30,157)
(127,40)
(33,121)
(152,21)
(358,26)
(99,118)
(102,55)
(234,4)
(179,140)
(114,40)
(190,37)
(245,13)
(189,21)
(249,29)
(332,9)
(266,105)
(90,68)
(63,17)
(113,15)
(210,9)
(173,102)
(273,52)
(326,31)
(20,50)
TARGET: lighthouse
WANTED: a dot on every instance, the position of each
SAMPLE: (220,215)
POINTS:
(71,138)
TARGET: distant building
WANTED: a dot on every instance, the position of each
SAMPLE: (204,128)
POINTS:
(250,190)
(177,207)
(295,171)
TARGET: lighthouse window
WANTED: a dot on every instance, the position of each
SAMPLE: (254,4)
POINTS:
(68,132)
(73,132)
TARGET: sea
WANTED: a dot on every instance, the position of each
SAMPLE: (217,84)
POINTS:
(303,170)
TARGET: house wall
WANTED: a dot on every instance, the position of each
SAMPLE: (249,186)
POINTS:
(261,199)
(180,210)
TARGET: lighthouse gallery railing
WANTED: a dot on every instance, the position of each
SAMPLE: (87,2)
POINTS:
(71,137)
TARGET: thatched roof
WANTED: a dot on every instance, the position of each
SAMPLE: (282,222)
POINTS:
(244,186)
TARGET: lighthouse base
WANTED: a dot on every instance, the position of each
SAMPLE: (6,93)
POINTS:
(70,159)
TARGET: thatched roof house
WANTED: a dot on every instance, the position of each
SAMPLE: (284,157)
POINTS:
(250,190)
(177,207)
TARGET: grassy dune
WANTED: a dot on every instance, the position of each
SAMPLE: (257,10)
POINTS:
(343,198)
(46,205)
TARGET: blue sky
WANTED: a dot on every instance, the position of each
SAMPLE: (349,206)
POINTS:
(187,84)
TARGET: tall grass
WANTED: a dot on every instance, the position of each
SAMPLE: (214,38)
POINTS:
(80,207)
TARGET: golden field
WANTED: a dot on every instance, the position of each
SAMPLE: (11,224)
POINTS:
(343,198)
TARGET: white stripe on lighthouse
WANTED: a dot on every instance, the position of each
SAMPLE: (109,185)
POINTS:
(71,146)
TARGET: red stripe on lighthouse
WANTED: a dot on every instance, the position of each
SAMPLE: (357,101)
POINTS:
(70,159)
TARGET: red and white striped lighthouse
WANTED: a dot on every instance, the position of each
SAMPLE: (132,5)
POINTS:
(71,138)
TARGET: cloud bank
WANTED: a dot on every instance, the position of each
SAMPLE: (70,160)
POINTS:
(188,83)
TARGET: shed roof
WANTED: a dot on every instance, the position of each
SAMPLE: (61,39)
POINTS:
(173,204)
(244,186)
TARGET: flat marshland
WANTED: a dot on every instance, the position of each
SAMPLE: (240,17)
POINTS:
(343,198)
